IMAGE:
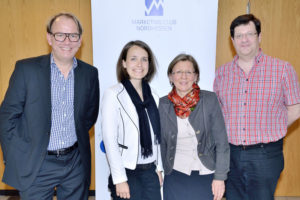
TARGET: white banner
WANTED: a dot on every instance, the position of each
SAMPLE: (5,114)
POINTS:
(169,27)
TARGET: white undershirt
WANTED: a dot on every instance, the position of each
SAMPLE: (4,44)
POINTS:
(186,156)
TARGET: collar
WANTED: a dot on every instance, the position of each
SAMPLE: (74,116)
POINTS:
(53,64)
(257,58)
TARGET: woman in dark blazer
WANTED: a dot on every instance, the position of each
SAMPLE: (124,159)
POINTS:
(194,146)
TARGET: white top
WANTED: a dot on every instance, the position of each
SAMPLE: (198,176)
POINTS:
(186,156)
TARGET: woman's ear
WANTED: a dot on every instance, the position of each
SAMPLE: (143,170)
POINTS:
(124,63)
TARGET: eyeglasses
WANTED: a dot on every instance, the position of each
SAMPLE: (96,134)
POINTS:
(60,37)
(239,36)
(180,73)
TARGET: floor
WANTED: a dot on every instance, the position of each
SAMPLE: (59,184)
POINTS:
(18,198)
(93,198)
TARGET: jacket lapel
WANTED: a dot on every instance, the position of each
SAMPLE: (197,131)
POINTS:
(170,113)
(197,120)
(128,106)
(44,85)
(78,89)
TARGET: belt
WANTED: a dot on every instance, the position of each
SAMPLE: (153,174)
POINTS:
(255,146)
(63,151)
(144,166)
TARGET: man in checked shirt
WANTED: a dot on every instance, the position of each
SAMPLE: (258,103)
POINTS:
(260,98)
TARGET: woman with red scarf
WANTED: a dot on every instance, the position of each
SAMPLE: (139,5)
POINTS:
(194,146)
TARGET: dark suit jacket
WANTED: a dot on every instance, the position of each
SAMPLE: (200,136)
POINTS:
(25,118)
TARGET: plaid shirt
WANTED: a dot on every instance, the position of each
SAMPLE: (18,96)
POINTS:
(254,105)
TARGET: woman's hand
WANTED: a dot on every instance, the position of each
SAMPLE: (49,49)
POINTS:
(122,190)
(161,179)
(218,189)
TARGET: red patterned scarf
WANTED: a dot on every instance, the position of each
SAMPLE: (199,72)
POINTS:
(184,106)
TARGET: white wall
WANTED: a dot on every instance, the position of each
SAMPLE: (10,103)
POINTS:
(175,27)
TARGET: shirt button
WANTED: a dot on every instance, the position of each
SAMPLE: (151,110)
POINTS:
(244,129)
(65,114)
(247,79)
(245,91)
(245,104)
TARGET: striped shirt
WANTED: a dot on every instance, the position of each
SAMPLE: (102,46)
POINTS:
(63,133)
(254,105)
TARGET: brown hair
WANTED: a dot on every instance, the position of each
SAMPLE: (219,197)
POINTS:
(184,57)
(68,15)
(121,71)
(243,20)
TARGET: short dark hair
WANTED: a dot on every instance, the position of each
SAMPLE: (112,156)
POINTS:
(68,15)
(245,19)
(184,57)
(121,71)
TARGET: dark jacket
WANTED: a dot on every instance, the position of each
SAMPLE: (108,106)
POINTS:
(208,123)
(25,118)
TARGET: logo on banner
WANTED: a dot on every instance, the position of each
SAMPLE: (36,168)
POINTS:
(155,18)
(154,8)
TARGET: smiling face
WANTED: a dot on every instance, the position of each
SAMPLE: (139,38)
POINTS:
(246,41)
(183,77)
(136,63)
(66,50)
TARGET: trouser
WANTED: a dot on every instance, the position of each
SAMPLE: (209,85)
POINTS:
(179,186)
(63,172)
(254,171)
(143,183)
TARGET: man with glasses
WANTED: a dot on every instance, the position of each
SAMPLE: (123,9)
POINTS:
(51,103)
(260,98)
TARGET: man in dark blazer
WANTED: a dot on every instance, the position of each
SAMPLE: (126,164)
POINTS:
(51,103)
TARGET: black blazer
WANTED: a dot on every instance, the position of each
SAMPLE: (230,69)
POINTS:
(25,118)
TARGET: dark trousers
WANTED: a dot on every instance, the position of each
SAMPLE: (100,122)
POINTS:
(65,173)
(179,186)
(254,171)
(143,184)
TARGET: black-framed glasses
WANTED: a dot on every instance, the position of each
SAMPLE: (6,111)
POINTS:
(60,37)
